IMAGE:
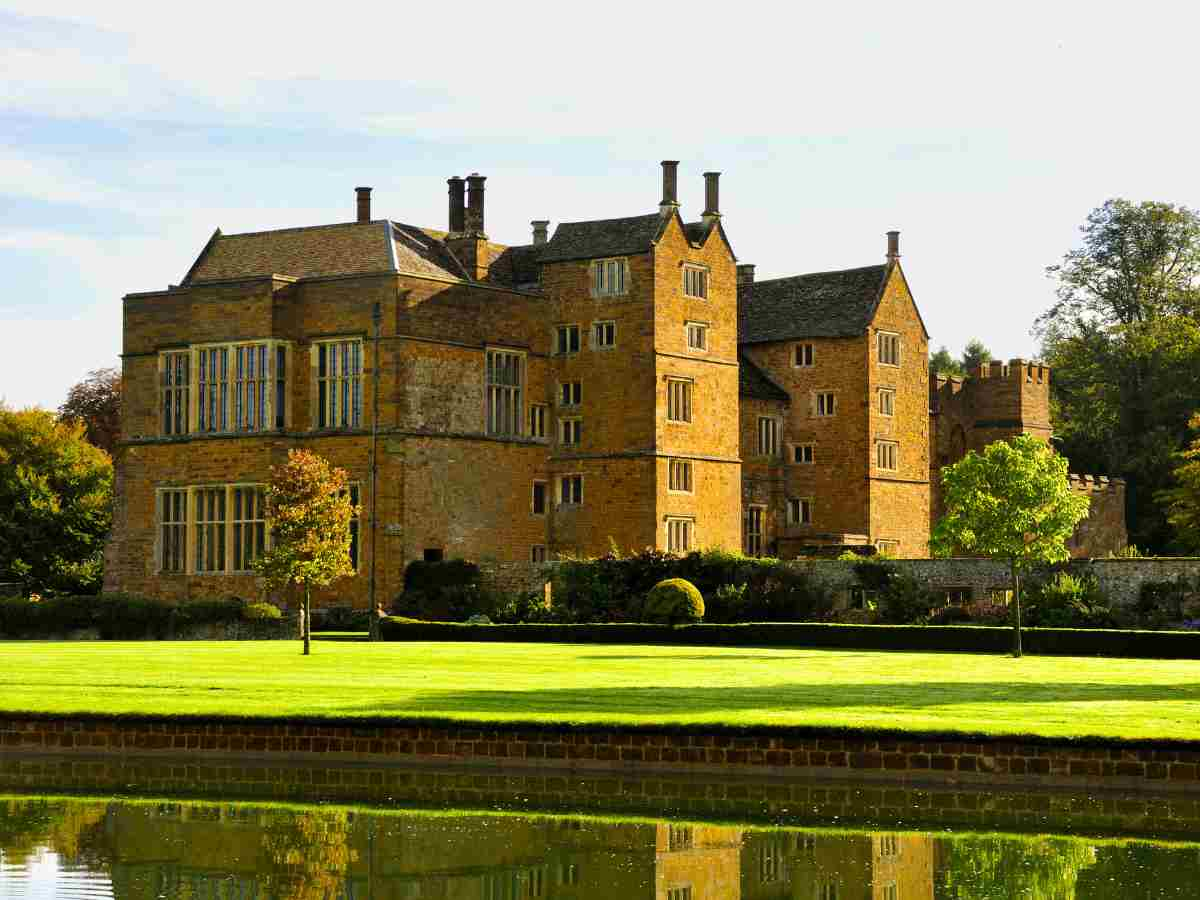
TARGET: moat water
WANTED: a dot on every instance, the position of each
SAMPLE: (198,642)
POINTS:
(186,848)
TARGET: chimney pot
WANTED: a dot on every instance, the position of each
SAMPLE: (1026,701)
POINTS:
(745,273)
(363,195)
(712,205)
(475,203)
(541,229)
(893,245)
(457,205)
(670,197)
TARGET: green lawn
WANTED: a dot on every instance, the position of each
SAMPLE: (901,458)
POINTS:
(1053,696)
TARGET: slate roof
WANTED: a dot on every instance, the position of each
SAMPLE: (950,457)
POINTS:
(603,237)
(754,382)
(823,304)
(352,248)
(516,266)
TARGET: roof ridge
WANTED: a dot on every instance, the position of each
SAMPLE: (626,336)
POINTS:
(302,228)
(654,215)
(882,265)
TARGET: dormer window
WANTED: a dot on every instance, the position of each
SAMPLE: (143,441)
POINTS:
(608,278)
(695,282)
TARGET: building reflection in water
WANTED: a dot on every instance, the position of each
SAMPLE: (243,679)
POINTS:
(204,851)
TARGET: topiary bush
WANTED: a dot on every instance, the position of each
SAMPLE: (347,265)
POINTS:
(675,601)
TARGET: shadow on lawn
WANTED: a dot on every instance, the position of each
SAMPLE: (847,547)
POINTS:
(785,697)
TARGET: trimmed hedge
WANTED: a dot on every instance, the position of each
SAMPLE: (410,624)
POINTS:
(129,617)
(913,638)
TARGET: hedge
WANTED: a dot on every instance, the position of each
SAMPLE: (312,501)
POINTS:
(127,617)
(917,638)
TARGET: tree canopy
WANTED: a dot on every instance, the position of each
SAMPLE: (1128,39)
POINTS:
(943,363)
(56,493)
(308,504)
(1123,341)
(96,402)
(1014,502)
(1183,500)
(975,354)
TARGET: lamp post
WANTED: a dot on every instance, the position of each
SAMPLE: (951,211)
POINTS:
(373,619)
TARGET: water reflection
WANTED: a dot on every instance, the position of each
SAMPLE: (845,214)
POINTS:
(210,851)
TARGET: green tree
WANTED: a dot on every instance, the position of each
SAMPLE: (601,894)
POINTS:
(310,511)
(1014,502)
(1039,868)
(975,355)
(307,854)
(1183,500)
(55,503)
(942,363)
(96,401)
(1123,339)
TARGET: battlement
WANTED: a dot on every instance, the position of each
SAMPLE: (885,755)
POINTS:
(1096,484)
(1018,369)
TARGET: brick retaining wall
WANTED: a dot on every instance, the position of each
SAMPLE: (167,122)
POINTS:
(887,759)
(793,802)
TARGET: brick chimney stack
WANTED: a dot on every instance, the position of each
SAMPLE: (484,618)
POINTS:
(745,273)
(363,195)
(457,205)
(541,231)
(712,204)
(475,204)
(670,197)
(893,253)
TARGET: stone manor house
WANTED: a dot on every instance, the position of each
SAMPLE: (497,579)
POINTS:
(622,382)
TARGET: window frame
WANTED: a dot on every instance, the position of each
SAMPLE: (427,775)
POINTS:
(685,388)
(817,404)
(504,396)
(679,464)
(892,339)
(798,454)
(571,426)
(573,392)
(680,526)
(576,492)
(600,274)
(533,498)
(890,394)
(355,387)
(240,523)
(772,432)
(537,550)
(177,545)
(562,334)
(802,512)
(749,514)
(538,416)
(700,328)
(170,387)
(882,455)
(598,327)
(695,275)
(801,350)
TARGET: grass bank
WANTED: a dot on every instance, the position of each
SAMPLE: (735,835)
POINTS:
(739,687)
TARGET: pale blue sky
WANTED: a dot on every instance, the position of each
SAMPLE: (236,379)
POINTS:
(985,133)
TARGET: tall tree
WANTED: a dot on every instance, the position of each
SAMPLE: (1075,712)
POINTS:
(975,354)
(96,402)
(55,503)
(943,363)
(1183,500)
(1013,502)
(1123,340)
(309,506)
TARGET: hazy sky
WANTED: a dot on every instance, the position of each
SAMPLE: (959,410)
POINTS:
(984,132)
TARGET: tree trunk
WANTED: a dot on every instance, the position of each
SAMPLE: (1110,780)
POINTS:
(1016,580)
(307,620)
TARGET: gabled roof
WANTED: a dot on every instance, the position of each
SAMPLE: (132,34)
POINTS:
(420,251)
(823,304)
(754,382)
(603,237)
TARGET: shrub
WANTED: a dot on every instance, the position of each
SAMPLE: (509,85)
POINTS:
(726,603)
(341,618)
(257,612)
(1162,602)
(1068,602)
(902,598)
(444,591)
(674,601)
